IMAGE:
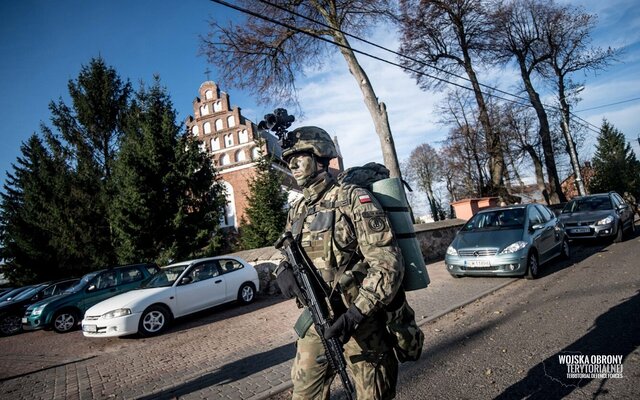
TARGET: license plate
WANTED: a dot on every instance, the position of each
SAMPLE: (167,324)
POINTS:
(477,263)
(580,230)
(24,320)
(90,328)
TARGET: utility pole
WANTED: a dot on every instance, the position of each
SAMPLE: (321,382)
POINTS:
(573,154)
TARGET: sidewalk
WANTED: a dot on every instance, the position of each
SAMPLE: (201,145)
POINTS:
(245,355)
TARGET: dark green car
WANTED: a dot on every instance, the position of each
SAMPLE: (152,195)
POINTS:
(63,313)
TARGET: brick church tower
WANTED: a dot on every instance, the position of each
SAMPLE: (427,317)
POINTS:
(230,140)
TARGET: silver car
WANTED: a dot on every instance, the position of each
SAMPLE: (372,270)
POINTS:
(507,241)
(603,215)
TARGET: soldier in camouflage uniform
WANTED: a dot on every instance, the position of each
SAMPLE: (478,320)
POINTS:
(347,236)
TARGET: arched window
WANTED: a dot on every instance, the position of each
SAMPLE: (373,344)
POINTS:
(215,144)
(224,160)
(229,216)
(240,156)
(204,110)
(218,125)
(208,94)
(207,127)
(231,121)
(217,106)
(255,153)
(202,147)
(195,130)
(243,136)
(228,140)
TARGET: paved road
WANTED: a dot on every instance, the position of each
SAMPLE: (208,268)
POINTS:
(507,346)
(231,352)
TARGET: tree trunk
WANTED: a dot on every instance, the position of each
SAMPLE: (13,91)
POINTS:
(494,145)
(556,195)
(377,109)
(537,165)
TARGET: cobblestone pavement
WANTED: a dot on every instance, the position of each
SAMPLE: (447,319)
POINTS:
(245,355)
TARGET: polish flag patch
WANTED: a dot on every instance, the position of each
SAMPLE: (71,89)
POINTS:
(364,198)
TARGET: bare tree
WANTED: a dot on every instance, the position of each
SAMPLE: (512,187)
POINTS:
(424,167)
(458,111)
(266,58)
(519,36)
(445,37)
(519,125)
(567,35)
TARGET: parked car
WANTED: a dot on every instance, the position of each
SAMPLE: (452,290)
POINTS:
(508,241)
(10,294)
(63,313)
(602,215)
(180,289)
(11,311)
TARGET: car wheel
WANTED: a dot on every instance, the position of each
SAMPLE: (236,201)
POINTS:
(246,293)
(532,266)
(619,234)
(65,321)
(10,324)
(153,321)
(565,252)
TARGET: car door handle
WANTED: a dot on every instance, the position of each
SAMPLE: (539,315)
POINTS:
(218,281)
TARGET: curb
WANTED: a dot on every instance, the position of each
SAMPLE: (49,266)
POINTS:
(289,384)
(466,302)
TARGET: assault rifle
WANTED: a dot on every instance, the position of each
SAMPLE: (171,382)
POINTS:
(315,295)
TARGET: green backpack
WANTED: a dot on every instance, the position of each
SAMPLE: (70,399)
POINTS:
(401,324)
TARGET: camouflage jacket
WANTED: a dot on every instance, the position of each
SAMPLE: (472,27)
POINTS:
(344,225)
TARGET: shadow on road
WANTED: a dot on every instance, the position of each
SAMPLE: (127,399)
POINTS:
(229,372)
(217,313)
(616,332)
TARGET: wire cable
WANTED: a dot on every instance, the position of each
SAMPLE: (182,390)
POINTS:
(608,105)
(583,123)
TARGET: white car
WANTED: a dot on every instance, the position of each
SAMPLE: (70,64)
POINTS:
(180,289)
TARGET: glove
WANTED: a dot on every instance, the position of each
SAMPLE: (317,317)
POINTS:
(345,325)
(287,282)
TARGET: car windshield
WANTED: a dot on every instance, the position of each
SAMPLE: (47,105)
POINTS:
(510,218)
(600,203)
(83,282)
(27,294)
(166,277)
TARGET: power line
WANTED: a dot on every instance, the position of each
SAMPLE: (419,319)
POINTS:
(435,67)
(585,123)
(608,105)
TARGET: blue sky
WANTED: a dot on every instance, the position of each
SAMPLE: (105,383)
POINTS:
(44,43)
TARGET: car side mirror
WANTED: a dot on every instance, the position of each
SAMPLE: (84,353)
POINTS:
(186,280)
(535,227)
(91,288)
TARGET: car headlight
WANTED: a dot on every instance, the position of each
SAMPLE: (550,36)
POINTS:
(38,310)
(120,312)
(451,251)
(605,221)
(512,248)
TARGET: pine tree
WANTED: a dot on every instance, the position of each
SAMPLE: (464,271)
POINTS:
(166,202)
(27,215)
(90,130)
(266,212)
(614,163)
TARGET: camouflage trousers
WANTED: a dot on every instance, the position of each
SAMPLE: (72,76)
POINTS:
(370,360)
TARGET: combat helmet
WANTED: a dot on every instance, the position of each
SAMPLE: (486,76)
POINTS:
(313,140)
